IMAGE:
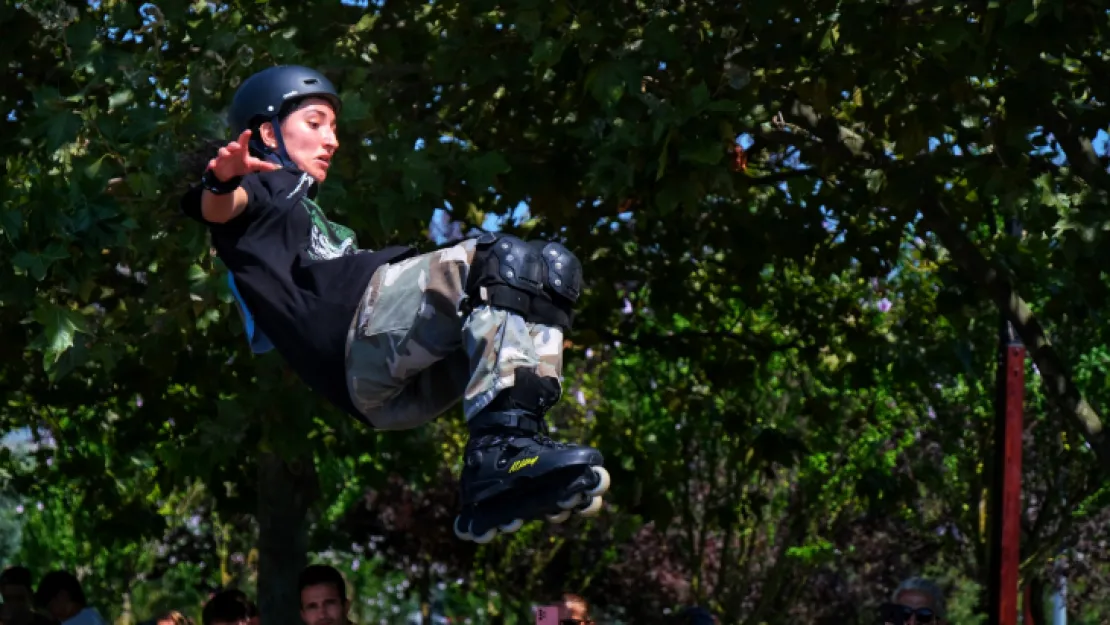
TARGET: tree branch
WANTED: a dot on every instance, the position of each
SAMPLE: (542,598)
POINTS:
(1079,150)
(781,176)
(1057,382)
(1053,371)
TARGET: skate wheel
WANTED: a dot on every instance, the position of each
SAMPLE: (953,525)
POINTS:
(602,482)
(512,526)
(593,509)
(462,534)
(559,518)
(571,502)
(485,538)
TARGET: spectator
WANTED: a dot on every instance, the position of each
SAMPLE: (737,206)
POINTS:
(173,617)
(252,608)
(916,601)
(228,607)
(323,596)
(19,606)
(61,595)
(574,610)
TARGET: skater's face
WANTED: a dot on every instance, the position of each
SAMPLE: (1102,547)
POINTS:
(322,605)
(308,133)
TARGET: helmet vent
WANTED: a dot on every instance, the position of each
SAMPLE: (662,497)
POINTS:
(311,81)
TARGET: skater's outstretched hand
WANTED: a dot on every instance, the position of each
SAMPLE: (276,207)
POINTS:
(234,159)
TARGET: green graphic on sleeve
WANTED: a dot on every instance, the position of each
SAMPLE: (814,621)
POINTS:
(327,239)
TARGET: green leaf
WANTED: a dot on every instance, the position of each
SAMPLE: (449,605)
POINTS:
(144,184)
(11,224)
(547,52)
(420,177)
(483,170)
(120,98)
(607,82)
(365,23)
(60,326)
(705,152)
(93,169)
(55,251)
(832,35)
(32,264)
(69,360)
(197,273)
(699,98)
(81,35)
(62,129)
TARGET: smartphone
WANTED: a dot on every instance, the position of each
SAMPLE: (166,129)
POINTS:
(547,615)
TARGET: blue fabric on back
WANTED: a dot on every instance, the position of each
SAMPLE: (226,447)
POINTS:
(259,342)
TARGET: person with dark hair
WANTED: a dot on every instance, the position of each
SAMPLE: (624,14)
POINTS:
(393,338)
(18,607)
(61,595)
(172,617)
(228,607)
(323,594)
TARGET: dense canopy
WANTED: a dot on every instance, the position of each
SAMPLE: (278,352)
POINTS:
(797,223)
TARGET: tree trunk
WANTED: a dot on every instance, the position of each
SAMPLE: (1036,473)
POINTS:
(286,490)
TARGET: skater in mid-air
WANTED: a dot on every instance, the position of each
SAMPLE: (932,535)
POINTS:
(394,338)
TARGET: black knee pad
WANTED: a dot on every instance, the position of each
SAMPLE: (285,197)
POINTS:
(506,272)
(562,281)
(539,280)
(564,270)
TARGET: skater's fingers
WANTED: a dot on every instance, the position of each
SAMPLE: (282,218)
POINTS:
(242,154)
(244,137)
(223,153)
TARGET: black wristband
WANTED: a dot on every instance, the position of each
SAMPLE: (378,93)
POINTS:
(216,186)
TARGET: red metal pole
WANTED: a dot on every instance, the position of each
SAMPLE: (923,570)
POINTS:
(1004,545)
(1011,485)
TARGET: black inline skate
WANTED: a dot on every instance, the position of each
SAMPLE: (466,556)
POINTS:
(513,473)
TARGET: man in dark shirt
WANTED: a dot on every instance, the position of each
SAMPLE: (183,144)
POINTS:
(393,338)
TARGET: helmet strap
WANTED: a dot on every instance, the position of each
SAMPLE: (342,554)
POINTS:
(277,155)
(280,155)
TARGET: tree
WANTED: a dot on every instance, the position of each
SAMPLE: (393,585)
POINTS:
(883,149)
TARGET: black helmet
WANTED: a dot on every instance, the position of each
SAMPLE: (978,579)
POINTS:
(265,96)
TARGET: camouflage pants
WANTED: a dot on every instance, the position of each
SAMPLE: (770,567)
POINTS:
(411,354)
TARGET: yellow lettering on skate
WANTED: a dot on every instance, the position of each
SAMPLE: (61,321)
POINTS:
(522,463)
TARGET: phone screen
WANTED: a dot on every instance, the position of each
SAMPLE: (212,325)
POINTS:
(547,615)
